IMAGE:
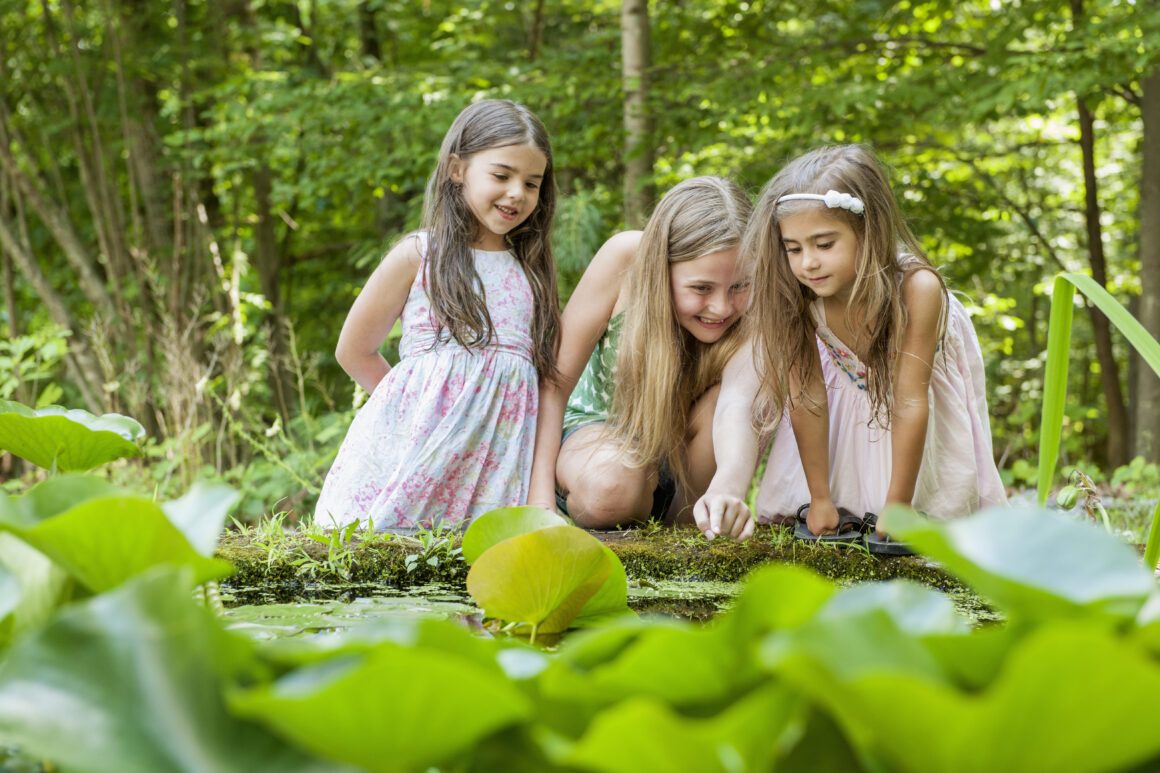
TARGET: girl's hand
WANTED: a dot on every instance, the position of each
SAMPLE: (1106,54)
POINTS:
(723,514)
(822,518)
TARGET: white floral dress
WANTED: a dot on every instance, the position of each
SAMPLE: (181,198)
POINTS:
(957,474)
(448,433)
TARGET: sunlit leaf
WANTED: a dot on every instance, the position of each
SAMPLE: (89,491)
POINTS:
(391,708)
(745,737)
(542,578)
(67,440)
(611,600)
(503,523)
(201,513)
(103,540)
(1030,562)
(130,681)
(33,587)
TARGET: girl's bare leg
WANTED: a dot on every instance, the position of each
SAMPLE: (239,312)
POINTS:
(602,491)
(700,464)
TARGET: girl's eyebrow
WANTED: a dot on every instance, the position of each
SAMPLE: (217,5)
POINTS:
(511,168)
(819,235)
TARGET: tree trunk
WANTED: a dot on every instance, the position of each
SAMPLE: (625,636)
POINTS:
(1147,429)
(88,377)
(269,274)
(638,150)
(1117,443)
(1117,412)
(368,32)
(536,31)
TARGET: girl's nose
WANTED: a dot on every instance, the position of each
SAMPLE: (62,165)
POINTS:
(721,304)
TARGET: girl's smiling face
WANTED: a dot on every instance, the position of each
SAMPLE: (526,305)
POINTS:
(710,293)
(822,251)
(501,187)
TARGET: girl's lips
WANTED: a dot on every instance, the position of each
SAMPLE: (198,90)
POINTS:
(505,213)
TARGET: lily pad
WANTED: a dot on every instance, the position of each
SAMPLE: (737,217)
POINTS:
(131,681)
(495,526)
(542,578)
(67,440)
(1032,563)
(105,539)
(389,709)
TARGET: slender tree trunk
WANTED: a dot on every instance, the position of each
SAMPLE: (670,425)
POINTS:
(1117,443)
(638,150)
(88,376)
(536,31)
(269,274)
(1147,429)
(368,32)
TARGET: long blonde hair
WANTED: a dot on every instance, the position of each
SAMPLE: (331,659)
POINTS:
(452,280)
(782,326)
(661,369)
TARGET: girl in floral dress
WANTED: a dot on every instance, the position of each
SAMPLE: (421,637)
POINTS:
(448,433)
(867,367)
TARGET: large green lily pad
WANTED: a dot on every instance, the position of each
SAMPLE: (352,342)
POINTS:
(67,440)
(542,578)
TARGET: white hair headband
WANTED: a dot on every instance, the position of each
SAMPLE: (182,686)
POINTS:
(831,199)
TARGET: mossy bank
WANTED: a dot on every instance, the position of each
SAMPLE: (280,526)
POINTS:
(296,560)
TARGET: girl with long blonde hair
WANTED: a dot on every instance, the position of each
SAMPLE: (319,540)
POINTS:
(625,430)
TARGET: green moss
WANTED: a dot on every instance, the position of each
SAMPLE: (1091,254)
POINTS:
(650,553)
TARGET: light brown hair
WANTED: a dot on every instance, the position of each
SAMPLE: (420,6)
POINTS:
(781,323)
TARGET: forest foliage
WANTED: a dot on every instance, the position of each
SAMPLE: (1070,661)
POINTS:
(192,193)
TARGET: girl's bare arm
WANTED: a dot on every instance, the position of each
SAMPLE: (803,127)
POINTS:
(722,509)
(924,297)
(583,322)
(373,314)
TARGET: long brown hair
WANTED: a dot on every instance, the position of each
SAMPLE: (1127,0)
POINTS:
(781,322)
(661,369)
(452,280)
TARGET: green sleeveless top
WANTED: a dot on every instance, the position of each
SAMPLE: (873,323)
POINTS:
(591,400)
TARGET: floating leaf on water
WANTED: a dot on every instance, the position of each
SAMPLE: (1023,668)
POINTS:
(503,523)
(542,578)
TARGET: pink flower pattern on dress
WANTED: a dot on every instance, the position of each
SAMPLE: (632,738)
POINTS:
(448,433)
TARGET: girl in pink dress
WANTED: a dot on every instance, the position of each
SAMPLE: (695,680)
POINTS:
(866,367)
(448,433)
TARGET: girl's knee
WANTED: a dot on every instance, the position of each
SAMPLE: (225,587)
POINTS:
(605,501)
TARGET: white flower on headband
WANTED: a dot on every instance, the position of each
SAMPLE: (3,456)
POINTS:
(844,200)
(832,199)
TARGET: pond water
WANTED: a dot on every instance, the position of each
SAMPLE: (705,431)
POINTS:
(264,613)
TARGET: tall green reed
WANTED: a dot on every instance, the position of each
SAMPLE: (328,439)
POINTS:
(1055,377)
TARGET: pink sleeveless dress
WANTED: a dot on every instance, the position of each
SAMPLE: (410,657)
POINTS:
(957,475)
(448,433)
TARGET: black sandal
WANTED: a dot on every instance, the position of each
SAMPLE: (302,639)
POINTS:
(883,546)
(850,528)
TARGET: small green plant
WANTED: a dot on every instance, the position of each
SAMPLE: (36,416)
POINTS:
(339,550)
(436,548)
(1137,476)
(1079,484)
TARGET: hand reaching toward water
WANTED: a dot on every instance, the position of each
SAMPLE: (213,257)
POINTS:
(723,514)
